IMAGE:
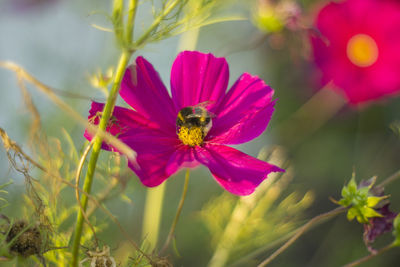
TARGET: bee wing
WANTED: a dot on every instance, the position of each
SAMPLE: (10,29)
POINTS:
(204,104)
(194,115)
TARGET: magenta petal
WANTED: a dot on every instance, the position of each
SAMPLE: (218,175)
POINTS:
(244,112)
(122,122)
(154,152)
(337,22)
(144,91)
(235,171)
(182,157)
(198,77)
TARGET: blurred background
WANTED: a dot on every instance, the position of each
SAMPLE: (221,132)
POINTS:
(55,41)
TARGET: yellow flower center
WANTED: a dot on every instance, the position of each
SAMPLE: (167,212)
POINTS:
(191,136)
(362,50)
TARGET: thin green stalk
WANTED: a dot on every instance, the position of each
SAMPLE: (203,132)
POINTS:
(390,179)
(301,231)
(178,212)
(157,22)
(368,257)
(118,7)
(131,20)
(109,106)
(152,216)
(117,18)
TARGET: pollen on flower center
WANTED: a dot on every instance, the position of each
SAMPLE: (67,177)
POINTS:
(192,136)
(362,50)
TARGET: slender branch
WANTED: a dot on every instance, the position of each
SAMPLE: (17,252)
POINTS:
(97,142)
(152,216)
(316,219)
(49,92)
(255,253)
(178,212)
(9,144)
(390,179)
(301,231)
(117,17)
(156,22)
(368,257)
(131,20)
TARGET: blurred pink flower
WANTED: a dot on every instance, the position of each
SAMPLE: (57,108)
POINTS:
(358,49)
(27,5)
(164,144)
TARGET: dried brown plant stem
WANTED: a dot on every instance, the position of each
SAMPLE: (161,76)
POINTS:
(48,91)
(178,213)
(9,144)
(390,179)
(36,124)
(368,257)
(301,231)
(320,217)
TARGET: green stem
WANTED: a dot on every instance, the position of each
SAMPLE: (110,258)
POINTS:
(156,22)
(178,212)
(152,216)
(390,179)
(368,257)
(117,17)
(301,231)
(131,20)
(123,62)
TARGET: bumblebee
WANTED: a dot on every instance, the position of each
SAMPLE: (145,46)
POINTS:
(193,124)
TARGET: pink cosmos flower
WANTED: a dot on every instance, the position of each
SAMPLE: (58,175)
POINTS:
(195,125)
(359,48)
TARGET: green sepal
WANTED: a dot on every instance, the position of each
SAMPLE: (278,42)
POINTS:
(352,185)
(351,214)
(373,201)
(345,192)
(360,200)
(370,212)
(396,231)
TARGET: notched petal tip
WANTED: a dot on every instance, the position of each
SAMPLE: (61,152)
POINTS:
(245,112)
(198,77)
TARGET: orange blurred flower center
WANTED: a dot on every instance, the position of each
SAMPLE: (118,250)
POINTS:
(362,50)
